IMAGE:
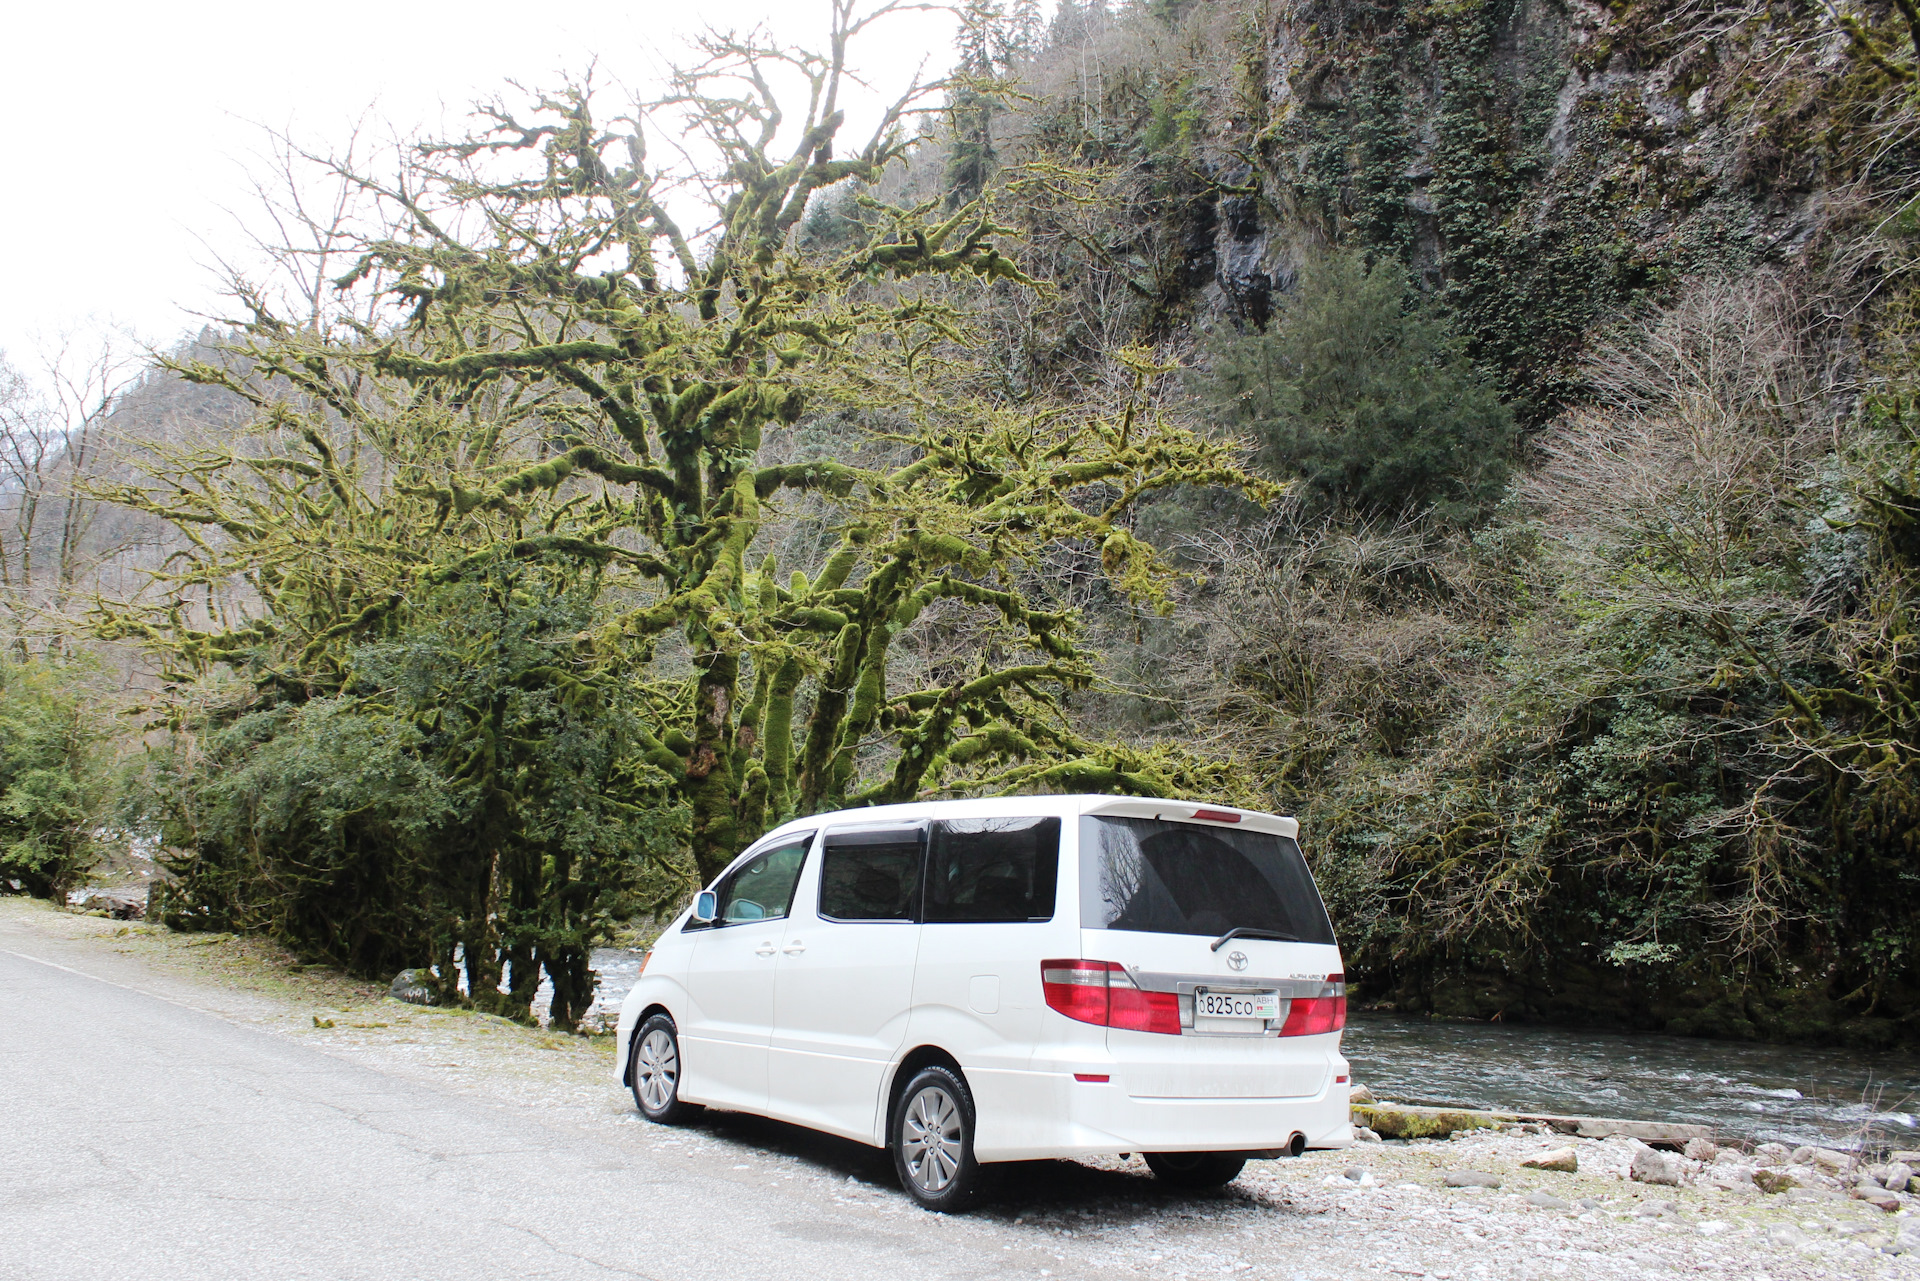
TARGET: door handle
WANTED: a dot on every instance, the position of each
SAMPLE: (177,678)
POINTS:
(765,949)
(794,948)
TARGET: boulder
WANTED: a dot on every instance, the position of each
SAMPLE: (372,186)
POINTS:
(1729,1177)
(415,987)
(1701,1150)
(1364,1135)
(1898,1178)
(1876,1196)
(1393,1122)
(1564,1160)
(1650,1166)
(1772,1154)
(1824,1159)
(121,907)
(1360,1094)
(1471,1179)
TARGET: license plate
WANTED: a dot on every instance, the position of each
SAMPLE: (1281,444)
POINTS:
(1235,1005)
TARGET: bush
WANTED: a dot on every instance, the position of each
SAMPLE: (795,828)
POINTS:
(53,780)
(1359,389)
(474,802)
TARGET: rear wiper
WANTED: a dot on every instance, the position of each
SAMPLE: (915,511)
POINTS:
(1249,932)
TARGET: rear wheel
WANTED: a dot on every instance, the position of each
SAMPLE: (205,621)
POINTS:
(932,1141)
(653,1069)
(1195,1170)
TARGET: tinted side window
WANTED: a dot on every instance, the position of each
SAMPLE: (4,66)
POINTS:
(993,869)
(871,876)
(762,888)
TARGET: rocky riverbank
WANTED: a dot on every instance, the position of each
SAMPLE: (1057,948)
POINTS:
(1493,1202)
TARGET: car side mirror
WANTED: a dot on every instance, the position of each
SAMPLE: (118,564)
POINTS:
(705,907)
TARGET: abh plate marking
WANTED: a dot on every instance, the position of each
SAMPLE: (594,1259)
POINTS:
(1237,960)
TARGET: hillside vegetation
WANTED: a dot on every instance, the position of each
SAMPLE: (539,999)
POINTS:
(1485,430)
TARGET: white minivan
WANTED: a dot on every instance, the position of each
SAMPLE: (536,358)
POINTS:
(968,982)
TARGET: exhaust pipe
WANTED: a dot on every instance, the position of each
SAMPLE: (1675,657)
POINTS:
(1295,1146)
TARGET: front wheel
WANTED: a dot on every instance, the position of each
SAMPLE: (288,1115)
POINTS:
(1195,1170)
(932,1141)
(653,1069)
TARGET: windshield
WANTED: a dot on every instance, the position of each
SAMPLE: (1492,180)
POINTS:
(1181,878)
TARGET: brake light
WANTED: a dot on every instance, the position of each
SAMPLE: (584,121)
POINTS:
(1314,1015)
(1216,816)
(1100,993)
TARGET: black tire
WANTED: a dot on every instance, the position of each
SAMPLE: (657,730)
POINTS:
(653,1073)
(1195,1171)
(931,1138)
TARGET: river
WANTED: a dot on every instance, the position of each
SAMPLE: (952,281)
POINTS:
(1742,1089)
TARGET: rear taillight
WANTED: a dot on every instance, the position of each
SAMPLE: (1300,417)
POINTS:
(1099,992)
(1313,1015)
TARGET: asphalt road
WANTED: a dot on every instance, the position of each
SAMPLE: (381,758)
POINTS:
(146,1138)
(162,1122)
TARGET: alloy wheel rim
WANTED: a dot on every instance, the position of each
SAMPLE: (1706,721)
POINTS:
(930,1139)
(656,1068)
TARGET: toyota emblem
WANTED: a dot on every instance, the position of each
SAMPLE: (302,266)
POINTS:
(1236,960)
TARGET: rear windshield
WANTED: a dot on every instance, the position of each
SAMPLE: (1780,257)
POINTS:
(1182,878)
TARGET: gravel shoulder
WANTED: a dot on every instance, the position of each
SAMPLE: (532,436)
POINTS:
(1376,1210)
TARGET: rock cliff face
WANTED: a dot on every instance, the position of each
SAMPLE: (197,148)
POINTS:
(1541,164)
(1557,175)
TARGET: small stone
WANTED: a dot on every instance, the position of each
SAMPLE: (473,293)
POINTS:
(1589,1203)
(1471,1179)
(412,986)
(1358,1174)
(1564,1160)
(1365,1135)
(1698,1149)
(1786,1234)
(1650,1166)
(1899,1177)
(1713,1228)
(1547,1201)
(1772,1154)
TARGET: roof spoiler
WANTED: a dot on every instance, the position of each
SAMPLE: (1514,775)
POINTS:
(1192,811)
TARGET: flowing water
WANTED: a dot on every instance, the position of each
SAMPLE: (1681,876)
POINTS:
(1741,1089)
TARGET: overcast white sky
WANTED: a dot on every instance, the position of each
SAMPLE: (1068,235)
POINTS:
(131,127)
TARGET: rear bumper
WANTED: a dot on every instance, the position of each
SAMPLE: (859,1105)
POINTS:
(1035,1115)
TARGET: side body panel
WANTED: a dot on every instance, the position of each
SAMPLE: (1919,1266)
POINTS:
(728,1020)
(843,995)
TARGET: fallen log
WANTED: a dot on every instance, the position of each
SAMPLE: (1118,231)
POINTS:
(1406,1121)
